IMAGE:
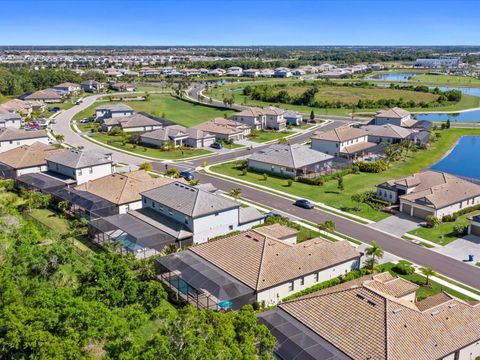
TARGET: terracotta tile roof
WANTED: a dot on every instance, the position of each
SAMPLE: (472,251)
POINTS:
(215,127)
(387,130)
(261,262)
(395,112)
(124,188)
(396,287)
(361,146)
(433,301)
(368,324)
(342,133)
(29,155)
(43,95)
(251,112)
(277,231)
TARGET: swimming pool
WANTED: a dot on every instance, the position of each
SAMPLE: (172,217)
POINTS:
(129,245)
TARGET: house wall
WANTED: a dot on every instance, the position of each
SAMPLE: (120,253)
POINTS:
(294,120)
(393,121)
(458,206)
(360,139)
(327,147)
(470,352)
(249,225)
(197,143)
(275,122)
(261,166)
(207,227)
(8,145)
(474,228)
(151,142)
(81,175)
(387,195)
(124,208)
(255,122)
(12,123)
(31,170)
(275,294)
(142,128)
(379,139)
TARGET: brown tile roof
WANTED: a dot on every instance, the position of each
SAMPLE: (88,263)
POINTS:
(251,112)
(8,134)
(433,301)
(216,128)
(277,231)
(361,146)
(132,121)
(438,190)
(43,95)
(261,262)
(395,112)
(342,133)
(368,324)
(124,188)
(393,286)
(29,155)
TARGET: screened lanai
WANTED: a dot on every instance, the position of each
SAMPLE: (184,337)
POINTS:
(84,202)
(201,283)
(44,182)
(7,172)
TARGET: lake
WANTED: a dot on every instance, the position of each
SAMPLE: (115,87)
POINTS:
(392,77)
(463,160)
(466,116)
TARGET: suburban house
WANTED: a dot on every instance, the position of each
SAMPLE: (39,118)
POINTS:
(11,138)
(122,86)
(131,123)
(474,226)
(259,119)
(293,117)
(178,136)
(430,193)
(91,86)
(370,318)
(224,129)
(253,266)
(46,96)
(292,160)
(251,72)
(174,213)
(26,159)
(67,87)
(111,111)
(387,133)
(420,137)
(10,120)
(394,116)
(24,108)
(282,73)
(120,189)
(344,141)
(81,166)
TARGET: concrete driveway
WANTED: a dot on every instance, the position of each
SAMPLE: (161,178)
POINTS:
(397,224)
(462,247)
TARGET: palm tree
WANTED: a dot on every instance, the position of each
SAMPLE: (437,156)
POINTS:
(235,193)
(428,272)
(375,251)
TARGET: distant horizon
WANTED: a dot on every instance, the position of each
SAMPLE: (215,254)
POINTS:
(260,23)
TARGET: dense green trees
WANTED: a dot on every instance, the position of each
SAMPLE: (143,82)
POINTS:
(57,302)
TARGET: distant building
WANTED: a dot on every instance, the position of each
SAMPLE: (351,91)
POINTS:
(178,135)
(224,129)
(449,63)
(45,96)
(122,86)
(260,119)
(91,86)
(131,123)
(10,120)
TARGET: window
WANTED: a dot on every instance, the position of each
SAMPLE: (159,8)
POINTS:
(80,172)
(153,204)
(144,200)
(302,281)
(291,286)
(170,213)
(316,277)
(230,227)
(336,145)
(216,214)
(90,170)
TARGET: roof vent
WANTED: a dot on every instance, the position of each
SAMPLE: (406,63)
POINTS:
(452,305)
(436,312)
(397,310)
(360,296)
(371,302)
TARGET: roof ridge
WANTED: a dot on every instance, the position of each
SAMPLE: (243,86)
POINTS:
(260,268)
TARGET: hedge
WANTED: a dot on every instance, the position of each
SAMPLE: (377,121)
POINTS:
(271,173)
(323,179)
(372,167)
(355,274)
(456,214)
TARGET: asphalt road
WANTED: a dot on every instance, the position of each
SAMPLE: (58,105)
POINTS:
(445,265)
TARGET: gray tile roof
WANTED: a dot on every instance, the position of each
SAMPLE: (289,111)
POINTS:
(387,130)
(9,116)
(132,121)
(9,134)
(189,200)
(249,214)
(114,107)
(290,155)
(78,159)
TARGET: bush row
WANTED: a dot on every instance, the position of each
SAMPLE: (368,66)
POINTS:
(372,167)
(323,179)
(456,214)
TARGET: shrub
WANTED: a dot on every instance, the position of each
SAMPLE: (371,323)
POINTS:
(460,229)
(289,183)
(404,268)
(372,167)
(432,221)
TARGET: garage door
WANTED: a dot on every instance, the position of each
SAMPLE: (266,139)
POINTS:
(475,230)
(406,208)
(421,213)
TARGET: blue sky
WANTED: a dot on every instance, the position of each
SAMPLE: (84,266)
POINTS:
(281,22)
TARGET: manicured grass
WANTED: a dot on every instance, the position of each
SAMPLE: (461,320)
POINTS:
(264,136)
(179,111)
(51,220)
(446,80)
(424,291)
(355,183)
(176,154)
(307,234)
(232,146)
(444,233)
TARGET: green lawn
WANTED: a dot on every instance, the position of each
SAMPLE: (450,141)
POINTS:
(177,154)
(179,111)
(444,233)
(264,136)
(446,80)
(355,183)
(51,220)
(424,291)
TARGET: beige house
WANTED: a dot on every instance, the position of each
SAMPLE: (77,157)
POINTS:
(270,268)
(26,159)
(24,108)
(67,87)
(123,189)
(344,141)
(260,119)
(394,116)
(131,123)
(45,96)
(430,193)
(371,318)
(387,133)
(179,136)
(224,129)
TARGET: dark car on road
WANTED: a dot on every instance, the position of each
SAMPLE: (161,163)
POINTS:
(304,203)
(187,175)
(217,146)
(54,109)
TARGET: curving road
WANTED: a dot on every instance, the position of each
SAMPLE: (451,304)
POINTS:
(467,274)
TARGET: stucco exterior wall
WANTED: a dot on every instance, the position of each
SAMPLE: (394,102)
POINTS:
(8,145)
(261,166)
(387,195)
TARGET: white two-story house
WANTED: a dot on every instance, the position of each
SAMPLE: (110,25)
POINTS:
(10,120)
(261,119)
(81,166)
(343,141)
(394,116)
(11,138)
(112,111)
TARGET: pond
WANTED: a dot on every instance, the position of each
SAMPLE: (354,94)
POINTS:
(392,77)
(464,90)
(466,116)
(463,160)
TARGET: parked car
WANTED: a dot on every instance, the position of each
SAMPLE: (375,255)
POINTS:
(54,109)
(79,102)
(217,145)
(84,121)
(187,175)
(304,203)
